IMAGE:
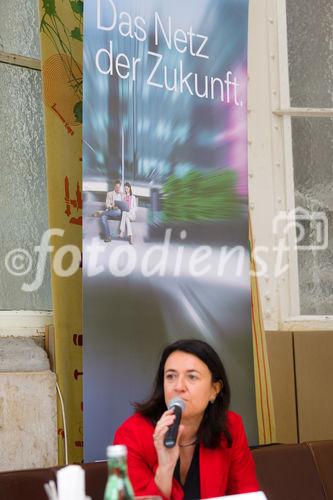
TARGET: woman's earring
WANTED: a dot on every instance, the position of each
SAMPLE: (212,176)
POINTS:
(212,401)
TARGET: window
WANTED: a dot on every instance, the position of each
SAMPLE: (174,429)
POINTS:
(310,58)
(290,159)
(23,176)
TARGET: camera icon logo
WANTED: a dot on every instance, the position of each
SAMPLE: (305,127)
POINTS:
(309,230)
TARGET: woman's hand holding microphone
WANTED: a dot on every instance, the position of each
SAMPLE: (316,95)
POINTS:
(167,457)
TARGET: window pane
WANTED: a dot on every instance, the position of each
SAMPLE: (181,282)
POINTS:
(19,27)
(23,215)
(313,177)
(310,52)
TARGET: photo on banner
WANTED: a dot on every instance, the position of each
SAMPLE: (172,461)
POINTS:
(165,199)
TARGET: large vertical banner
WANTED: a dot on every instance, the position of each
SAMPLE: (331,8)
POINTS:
(166,251)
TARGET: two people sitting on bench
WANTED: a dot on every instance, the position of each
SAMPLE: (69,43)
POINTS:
(119,206)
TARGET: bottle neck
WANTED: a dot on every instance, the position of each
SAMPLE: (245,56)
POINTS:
(117,465)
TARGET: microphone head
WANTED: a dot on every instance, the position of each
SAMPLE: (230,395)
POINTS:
(176,402)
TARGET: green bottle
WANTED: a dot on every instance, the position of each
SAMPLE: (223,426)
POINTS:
(118,486)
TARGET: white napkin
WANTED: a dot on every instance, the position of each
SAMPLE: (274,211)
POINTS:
(258,495)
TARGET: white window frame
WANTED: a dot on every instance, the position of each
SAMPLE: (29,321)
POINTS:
(24,323)
(271,180)
(18,60)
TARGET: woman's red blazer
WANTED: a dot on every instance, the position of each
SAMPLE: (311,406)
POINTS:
(223,471)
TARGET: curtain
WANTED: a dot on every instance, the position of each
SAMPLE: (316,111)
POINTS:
(61,49)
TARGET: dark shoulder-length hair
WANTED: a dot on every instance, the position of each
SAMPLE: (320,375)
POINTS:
(214,423)
(130,187)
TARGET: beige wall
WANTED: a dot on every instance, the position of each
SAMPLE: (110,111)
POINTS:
(301,366)
(28,420)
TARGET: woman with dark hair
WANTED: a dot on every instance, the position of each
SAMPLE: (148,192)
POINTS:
(211,457)
(127,217)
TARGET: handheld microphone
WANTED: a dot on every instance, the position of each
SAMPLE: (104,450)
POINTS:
(178,406)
